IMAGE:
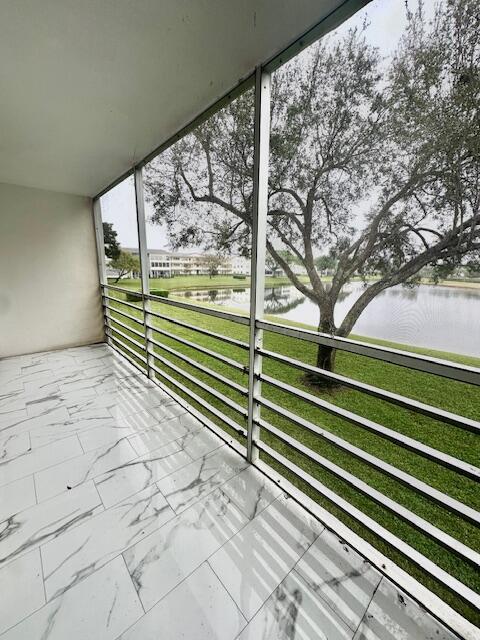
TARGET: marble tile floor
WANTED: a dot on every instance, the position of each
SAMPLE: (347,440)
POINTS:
(121,516)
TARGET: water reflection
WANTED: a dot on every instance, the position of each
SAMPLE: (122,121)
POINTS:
(439,317)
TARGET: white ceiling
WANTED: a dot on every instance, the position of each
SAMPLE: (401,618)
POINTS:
(88,87)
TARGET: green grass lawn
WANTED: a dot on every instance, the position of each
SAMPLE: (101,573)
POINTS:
(453,396)
(196,282)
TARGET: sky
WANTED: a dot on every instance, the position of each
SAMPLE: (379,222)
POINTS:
(387,22)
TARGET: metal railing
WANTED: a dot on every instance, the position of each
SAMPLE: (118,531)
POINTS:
(148,351)
(145,334)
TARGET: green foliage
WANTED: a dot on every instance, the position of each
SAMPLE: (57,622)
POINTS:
(163,293)
(125,264)
(112,246)
(374,160)
(133,297)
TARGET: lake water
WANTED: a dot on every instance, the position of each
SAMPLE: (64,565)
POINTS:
(436,317)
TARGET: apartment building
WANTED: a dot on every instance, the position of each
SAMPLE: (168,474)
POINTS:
(166,264)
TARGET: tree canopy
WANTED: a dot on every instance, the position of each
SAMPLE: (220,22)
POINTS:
(373,160)
(124,264)
(112,245)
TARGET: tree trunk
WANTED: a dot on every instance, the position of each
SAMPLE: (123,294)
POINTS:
(325,354)
(326,357)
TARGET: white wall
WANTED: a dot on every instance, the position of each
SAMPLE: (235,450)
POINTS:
(49,292)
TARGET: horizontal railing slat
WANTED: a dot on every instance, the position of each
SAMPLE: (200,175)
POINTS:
(467,594)
(125,326)
(127,348)
(205,332)
(450,543)
(224,315)
(444,368)
(193,363)
(122,313)
(216,394)
(382,394)
(449,503)
(398,438)
(128,338)
(213,410)
(124,303)
(197,347)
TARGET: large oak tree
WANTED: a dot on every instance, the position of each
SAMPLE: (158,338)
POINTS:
(373,160)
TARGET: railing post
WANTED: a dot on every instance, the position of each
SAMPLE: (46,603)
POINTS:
(144,263)
(257,270)
(102,272)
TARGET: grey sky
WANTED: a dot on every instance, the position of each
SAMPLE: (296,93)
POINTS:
(387,21)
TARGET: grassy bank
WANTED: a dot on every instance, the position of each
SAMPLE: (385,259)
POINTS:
(453,396)
(184,283)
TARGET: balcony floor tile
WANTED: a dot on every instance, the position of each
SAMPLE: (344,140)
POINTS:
(122,516)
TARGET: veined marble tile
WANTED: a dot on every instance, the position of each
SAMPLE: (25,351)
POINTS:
(124,403)
(251,491)
(10,384)
(259,557)
(86,383)
(41,388)
(12,417)
(42,522)
(12,400)
(86,355)
(79,552)
(21,399)
(137,474)
(16,496)
(196,480)
(199,608)
(85,406)
(165,432)
(295,611)
(38,459)
(35,368)
(137,383)
(13,445)
(99,608)
(167,409)
(64,476)
(56,431)
(340,576)
(21,586)
(53,418)
(104,434)
(57,401)
(58,377)
(200,443)
(159,562)
(9,369)
(109,363)
(392,614)
(138,421)
(54,359)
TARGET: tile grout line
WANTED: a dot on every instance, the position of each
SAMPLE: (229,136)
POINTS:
(35,490)
(134,588)
(382,578)
(43,575)
(229,595)
(291,570)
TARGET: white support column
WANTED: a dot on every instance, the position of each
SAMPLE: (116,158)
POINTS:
(144,261)
(100,242)
(259,230)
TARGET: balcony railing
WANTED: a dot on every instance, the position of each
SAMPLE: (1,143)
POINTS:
(239,412)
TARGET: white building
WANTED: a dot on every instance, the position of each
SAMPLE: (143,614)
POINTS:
(166,264)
